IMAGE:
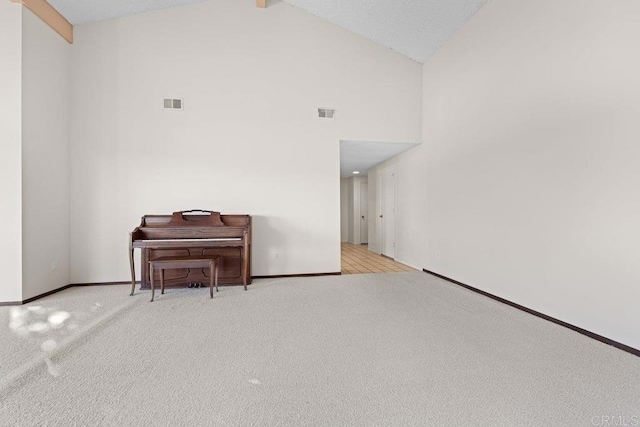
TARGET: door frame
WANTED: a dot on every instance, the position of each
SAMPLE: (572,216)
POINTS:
(382,231)
(364,217)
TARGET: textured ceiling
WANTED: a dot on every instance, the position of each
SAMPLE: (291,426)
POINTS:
(362,155)
(85,11)
(414,28)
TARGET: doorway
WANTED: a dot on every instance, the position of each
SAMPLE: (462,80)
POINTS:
(368,206)
(364,213)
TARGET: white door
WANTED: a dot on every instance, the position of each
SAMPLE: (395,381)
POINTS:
(364,213)
(388,211)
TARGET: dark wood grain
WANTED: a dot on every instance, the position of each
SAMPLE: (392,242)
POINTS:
(164,263)
(185,234)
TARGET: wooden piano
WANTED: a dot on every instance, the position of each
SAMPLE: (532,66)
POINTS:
(194,233)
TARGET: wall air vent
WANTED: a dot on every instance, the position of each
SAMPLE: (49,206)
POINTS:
(173,104)
(326,113)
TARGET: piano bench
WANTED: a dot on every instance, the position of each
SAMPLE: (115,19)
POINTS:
(164,263)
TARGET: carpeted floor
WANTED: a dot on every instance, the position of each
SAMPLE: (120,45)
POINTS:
(371,349)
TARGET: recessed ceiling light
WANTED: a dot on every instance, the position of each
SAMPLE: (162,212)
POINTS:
(356,172)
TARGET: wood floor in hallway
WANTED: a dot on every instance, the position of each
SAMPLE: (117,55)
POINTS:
(357,259)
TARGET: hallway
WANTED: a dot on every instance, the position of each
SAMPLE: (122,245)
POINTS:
(357,259)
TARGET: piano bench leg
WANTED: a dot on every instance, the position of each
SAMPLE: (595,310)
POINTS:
(133,272)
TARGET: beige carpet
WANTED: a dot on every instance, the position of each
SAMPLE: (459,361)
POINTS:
(386,349)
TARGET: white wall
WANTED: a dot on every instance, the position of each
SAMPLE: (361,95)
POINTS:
(375,225)
(46,71)
(344,209)
(527,183)
(350,210)
(350,220)
(248,140)
(10,151)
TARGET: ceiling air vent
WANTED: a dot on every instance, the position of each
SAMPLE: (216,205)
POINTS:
(326,113)
(173,104)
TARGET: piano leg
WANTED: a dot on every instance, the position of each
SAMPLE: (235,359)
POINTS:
(152,286)
(245,261)
(133,271)
(212,272)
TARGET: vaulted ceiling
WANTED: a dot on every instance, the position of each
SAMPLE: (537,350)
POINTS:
(414,28)
(85,11)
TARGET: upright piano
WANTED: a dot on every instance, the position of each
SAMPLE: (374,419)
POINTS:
(194,233)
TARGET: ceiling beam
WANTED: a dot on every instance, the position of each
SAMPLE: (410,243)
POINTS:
(261,3)
(50,16)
